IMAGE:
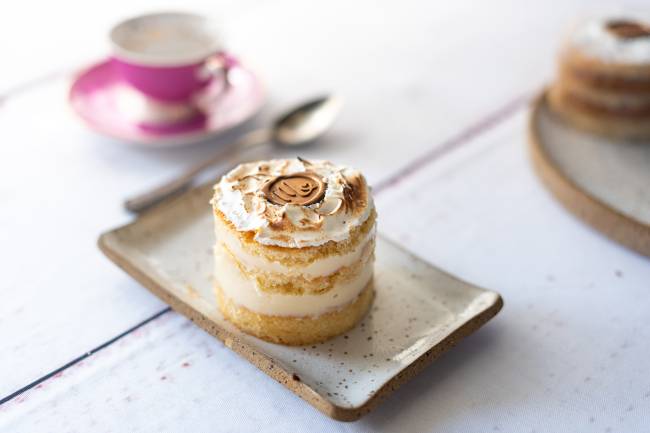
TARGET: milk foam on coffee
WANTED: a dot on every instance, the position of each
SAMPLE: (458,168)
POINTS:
(165,38)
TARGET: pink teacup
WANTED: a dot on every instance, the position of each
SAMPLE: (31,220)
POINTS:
(168,56)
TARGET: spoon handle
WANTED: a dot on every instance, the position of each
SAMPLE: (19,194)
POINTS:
(147,199)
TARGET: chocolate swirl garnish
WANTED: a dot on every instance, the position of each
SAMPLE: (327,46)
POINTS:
(299,188)
(628,29)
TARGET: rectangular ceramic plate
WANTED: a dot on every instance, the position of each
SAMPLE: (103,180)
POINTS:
(419,311)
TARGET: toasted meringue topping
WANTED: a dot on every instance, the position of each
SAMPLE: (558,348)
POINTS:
(294,203)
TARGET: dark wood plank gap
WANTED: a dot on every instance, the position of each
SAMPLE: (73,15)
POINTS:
(466,135)
(84,356)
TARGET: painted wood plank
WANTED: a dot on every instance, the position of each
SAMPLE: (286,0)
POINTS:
(417,86)
(406,93)
(568,350)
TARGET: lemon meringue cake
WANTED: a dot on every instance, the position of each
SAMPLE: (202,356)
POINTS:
(295,249)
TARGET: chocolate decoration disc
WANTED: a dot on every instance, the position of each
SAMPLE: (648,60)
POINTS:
(627,29)
(302,188)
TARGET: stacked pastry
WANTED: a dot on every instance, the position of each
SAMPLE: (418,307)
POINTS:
(295,249)
(604,78)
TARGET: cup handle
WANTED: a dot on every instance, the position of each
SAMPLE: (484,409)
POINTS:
(219,65)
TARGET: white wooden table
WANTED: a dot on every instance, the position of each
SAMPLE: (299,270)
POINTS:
(436,96)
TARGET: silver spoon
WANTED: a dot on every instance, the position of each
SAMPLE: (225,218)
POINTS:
(297,127)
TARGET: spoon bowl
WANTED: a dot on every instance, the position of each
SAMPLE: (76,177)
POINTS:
(307,122)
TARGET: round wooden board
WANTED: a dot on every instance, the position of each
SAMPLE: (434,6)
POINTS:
(603,181)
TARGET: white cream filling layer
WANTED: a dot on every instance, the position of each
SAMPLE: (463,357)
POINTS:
(245,292)
(318,268)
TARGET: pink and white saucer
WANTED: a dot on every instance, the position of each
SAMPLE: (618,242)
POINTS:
(110,106)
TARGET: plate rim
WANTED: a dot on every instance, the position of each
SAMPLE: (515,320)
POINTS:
(608,220)
(266,363)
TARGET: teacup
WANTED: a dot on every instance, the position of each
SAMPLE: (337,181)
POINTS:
(168,56)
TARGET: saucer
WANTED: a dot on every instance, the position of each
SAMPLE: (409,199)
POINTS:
(111,107)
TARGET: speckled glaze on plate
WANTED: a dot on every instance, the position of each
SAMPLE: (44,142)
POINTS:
(605,182)
(419,311)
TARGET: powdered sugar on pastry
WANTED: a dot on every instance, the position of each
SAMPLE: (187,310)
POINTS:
(601,39)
